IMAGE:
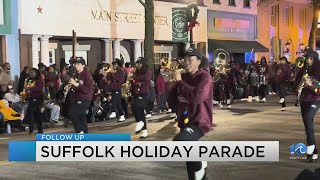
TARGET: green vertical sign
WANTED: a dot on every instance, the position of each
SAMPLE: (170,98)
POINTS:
(179,25)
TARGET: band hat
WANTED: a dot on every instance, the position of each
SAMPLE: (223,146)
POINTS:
(193,52)
(117,61)
(80,60)
(313,54)
(140,60)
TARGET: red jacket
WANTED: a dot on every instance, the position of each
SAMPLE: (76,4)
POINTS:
(194,94)
(141,84)
(160,85)
(117,79)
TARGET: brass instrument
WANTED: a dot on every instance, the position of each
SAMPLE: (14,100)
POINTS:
(68,88)
(302,83)
(300,62)
(28,83)
(221,59)
(126,87)
(166,63)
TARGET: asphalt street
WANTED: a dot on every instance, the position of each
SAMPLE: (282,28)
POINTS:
(244,122)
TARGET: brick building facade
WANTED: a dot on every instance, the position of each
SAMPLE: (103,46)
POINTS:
(284,27)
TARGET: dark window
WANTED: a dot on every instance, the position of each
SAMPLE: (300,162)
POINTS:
(216,2)
(232,3)
(246,3)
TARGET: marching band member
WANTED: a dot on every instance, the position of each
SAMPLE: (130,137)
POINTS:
(141,84)
(81,97)
(104,83)
(310,100)
(194,97)
(263,73)
(35,100)
(282,76)
(117,79)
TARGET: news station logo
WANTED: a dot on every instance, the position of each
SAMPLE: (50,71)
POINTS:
(297,151)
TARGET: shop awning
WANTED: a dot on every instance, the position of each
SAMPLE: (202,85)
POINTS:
(236,46)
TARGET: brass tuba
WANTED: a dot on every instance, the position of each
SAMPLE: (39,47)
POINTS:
(126,87)
(221,59)
(299,62)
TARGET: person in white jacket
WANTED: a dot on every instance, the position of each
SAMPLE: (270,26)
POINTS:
(14,99)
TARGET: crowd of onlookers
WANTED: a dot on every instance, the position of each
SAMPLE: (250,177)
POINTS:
(239,81)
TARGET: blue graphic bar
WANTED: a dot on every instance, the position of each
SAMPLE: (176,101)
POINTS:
(22,151)
(83,137)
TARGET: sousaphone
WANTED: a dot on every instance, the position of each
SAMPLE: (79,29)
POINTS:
(221,59)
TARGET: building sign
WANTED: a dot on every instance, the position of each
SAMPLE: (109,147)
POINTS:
(126,17)
(179,25)
(114,19)
(231,25)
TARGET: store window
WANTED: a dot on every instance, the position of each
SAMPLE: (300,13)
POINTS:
(216,2)
(246,3)
(159,55)
(232,3)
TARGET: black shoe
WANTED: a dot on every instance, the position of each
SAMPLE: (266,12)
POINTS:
(40,131)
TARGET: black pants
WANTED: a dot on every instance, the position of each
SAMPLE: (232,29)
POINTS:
(139,103)
(308,111)
(116,103)
(150,106)
(282,91)
(124,105)
(78,115)
(190,134)
(34,114)
(263,89)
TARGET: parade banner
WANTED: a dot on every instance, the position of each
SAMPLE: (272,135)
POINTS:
(119,147)
(179,25)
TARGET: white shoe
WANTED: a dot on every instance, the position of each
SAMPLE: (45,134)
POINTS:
(199,175)
(249,99)
(55,120)
(283,109)
(144,134)
(81,132)
(122,118)
(215,102)
(229,106)
(139,126)
(270,93)
(169,111)
(228,101)
(173,115)
(263,100)
(257,98)
(310,149)
(281,100)
(113,115)
(148,116)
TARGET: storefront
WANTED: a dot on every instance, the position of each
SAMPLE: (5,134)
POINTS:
(9,36)
(234,32)
(105,30)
